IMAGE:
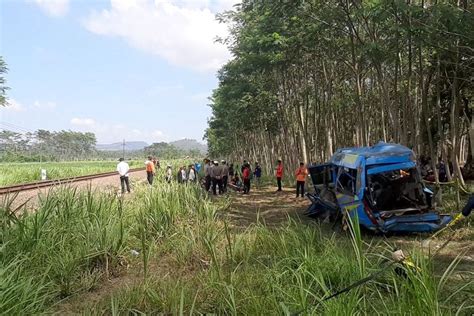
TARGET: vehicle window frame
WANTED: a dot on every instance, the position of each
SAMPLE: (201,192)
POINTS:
(342,189)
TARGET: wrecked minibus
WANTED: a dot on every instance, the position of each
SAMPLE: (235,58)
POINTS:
(381,185)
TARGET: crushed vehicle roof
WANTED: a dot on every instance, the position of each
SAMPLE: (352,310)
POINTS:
(381,153)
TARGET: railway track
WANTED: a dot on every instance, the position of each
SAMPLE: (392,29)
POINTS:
(48,183)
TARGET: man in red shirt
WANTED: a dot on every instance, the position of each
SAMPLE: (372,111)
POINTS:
(279,174)
(246,178)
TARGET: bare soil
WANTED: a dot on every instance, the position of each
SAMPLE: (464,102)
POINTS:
(265,205)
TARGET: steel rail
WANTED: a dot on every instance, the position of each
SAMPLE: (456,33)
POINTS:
(48,183)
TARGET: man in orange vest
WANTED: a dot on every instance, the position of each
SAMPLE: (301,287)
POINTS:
(301,174)
(150,170)
(279,174)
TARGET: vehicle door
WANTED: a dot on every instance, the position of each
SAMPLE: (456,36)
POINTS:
(322,176)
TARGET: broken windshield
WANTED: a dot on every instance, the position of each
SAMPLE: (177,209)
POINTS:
(346,181)
(396,189)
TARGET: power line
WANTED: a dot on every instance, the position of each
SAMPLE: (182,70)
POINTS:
(17,127)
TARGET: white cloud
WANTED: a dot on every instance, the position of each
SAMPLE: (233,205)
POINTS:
(181,32)
(54,8)
(44,105)
(13,105)
(157,134)
(82,121)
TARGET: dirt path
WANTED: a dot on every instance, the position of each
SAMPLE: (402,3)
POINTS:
(265,205)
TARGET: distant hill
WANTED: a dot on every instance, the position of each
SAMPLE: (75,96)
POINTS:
(139,145)
(190,144)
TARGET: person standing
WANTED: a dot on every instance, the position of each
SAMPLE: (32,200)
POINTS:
(258,174)
(246,178)
(192,174)
(301,174)
(279,174)
(197,167)
(243,166)
(169,174)
(207,174)
(179,178)
(225,175)
(150,170)
(216,178)
(123,169)
(184,177)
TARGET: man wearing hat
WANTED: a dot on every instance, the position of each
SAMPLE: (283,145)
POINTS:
(216,177)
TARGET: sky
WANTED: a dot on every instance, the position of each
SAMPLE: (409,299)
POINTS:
(123,69)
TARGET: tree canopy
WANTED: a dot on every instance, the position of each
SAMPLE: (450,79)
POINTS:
(46,145)
(308,77)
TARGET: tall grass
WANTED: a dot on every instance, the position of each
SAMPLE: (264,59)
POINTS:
(192,261)
(61,249)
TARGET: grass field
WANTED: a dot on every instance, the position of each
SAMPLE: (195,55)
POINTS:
(13,173)
(169,251)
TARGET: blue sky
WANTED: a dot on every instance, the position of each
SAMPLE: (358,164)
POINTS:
(139,70)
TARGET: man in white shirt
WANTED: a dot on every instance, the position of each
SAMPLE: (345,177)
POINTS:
(122,169)
(184,177)
(169,174)
(192,174)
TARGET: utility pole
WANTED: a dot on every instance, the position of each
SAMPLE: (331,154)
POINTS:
(123,149)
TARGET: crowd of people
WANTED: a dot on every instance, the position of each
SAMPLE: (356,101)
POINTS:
(220,176)
(217,177)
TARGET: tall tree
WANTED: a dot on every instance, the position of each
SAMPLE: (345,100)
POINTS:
(3,81)
(308,77)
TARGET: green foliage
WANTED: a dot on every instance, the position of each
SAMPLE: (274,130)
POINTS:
(192,261)
(163,150)
(48,146)
(3,87)
(309,77)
